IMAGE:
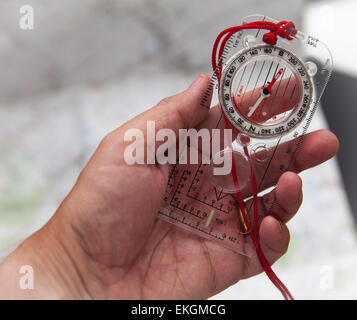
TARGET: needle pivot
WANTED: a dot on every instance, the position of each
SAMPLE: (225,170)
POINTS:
(266,91)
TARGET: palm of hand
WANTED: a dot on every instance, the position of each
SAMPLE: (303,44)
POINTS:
(141,256)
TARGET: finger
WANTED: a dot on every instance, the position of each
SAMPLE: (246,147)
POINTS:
(282,203)
(316,148)
(216,120)
(181,111)
(274,238)
(285,95)
(285,200)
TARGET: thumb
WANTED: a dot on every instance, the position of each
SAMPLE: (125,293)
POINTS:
(181,111)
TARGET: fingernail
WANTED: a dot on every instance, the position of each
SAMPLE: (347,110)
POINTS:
(195,82)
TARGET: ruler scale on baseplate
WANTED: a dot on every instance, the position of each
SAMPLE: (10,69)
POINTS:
(269,93)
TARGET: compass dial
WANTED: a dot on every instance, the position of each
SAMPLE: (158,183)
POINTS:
(265,91)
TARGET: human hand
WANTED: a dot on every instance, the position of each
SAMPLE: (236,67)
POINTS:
(105,240)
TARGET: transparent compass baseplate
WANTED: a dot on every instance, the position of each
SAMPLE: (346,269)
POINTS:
(270,124)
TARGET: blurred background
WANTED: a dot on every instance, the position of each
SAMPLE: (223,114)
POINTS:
(90,65)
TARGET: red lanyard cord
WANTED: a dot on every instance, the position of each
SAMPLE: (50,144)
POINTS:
(285,30)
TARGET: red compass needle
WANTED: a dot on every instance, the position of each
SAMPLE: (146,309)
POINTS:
(265,92)
(270,85)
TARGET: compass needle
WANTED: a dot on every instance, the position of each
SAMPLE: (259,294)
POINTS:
(256,105)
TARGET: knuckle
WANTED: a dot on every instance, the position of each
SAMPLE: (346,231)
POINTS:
(167,100)
(108,139)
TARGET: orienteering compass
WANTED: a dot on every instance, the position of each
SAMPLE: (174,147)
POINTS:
(265,91)
(270,77)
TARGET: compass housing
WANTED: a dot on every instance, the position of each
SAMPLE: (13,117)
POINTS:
(245,81)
